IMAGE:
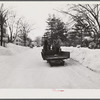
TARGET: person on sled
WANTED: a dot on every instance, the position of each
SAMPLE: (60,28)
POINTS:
(47,45)
(56,45)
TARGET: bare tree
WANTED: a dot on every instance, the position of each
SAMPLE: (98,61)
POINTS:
(17,27)
(3,20)
(25,28)
(11,25)
(14,25)
(90,13)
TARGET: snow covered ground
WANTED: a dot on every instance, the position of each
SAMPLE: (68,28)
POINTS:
(87,57)
(23,67)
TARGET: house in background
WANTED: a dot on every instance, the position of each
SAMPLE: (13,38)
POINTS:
(18,41)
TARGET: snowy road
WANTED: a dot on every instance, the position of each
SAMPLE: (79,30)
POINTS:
(28,70)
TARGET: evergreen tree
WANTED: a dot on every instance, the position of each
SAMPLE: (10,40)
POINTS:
(56,27)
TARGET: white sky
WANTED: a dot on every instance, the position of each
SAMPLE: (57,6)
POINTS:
(35,13)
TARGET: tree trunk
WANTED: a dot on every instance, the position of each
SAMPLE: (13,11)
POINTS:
(10,34)
(1,34)
(11,38)
(24,40)
(81,37)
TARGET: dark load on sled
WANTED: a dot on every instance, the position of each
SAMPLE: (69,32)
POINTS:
(55,59)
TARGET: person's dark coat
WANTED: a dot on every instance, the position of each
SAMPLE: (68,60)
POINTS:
(45,47)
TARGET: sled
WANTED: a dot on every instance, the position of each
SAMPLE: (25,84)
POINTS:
(55,59)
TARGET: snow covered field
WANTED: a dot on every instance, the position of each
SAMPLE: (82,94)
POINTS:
(23,67)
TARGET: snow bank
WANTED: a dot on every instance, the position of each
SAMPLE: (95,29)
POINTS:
(5,51)
(12,49)
(87,57)
(16,49)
